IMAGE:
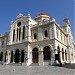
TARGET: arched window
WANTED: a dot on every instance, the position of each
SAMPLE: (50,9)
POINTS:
(6,58)
(19,24)
(18,30)
(19,33)
(1,56)
(23,35)
(13,35)
(47,53)
(35,55)
(46,33)
(35,35)
(17,56)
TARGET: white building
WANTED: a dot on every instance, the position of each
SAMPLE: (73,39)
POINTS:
(41,40)
(74,52)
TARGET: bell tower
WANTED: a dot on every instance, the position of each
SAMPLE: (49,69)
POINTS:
(42,17)
(66,21)
(67,26)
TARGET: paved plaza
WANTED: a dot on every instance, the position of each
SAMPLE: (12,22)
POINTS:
(35,70)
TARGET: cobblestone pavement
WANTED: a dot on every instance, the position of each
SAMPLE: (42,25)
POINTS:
(35,70)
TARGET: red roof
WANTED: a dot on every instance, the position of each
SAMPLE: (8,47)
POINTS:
(42,13)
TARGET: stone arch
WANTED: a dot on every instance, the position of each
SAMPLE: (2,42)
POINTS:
(47,53)
(58,55)
(6,57)
(35,55)
(1,56)
(62,54)
(46,33)
(35,35)
(17,55)
(19,23)
(22,56)
(12,56)
(51,50)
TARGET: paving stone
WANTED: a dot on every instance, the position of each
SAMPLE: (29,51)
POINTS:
(35,70)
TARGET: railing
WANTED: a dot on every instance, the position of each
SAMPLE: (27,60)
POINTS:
(45,22)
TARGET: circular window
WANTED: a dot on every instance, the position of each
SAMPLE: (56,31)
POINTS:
(19,24)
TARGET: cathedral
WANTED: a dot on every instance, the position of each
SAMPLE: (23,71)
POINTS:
(39,41)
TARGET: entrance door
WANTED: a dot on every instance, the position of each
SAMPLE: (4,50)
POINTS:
(35,55)
(17,56)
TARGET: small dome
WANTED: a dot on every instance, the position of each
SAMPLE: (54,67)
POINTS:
(42,13)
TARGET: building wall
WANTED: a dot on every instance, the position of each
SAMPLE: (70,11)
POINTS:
(39,33)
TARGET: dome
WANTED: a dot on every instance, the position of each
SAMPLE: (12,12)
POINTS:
(42,13)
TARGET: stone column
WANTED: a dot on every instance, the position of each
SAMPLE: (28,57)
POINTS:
(25,55)
(25,58)
(8,52)
(21,32)
(60,56)
(56,52)
(64,57)
(3,57)
(40,55)
(29,59)
(19,56)
(52,57)
(15,35)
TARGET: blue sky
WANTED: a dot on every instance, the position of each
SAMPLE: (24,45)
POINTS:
(59,9)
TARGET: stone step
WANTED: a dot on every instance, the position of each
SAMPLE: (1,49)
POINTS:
(70,65)
(34,64)
(15,64)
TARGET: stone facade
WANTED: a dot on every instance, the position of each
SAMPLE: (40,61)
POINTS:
(41,40)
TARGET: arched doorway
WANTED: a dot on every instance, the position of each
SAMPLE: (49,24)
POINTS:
(58,48)
(1,56)
(46,53)
(6,57)
(12,56)
(22,56)
(17,56)
(62,54)
(35,55)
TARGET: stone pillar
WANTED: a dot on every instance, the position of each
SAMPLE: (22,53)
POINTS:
(3,57)
(60,56)
(64,57)
(15,35)
(21,32)
(18,35)
(25,56)
(52,57)
(56,52)
(8,52)
(29,59)
(19,56)
(40,54)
